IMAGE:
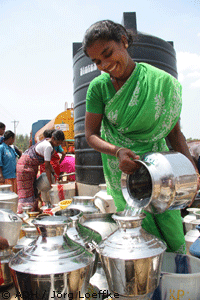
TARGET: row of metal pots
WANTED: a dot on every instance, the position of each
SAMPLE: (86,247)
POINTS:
(65,254)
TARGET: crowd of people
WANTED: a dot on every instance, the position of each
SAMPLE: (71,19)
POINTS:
(22,169)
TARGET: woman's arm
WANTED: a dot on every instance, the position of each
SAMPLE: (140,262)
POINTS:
(62,156)
(48,170)
(179,144)
(92,133)
(2,179)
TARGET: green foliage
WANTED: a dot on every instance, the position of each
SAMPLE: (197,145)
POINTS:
(22,142)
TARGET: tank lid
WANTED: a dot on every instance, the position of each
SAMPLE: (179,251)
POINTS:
(129,21)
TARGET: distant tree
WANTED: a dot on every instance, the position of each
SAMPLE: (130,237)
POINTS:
(22,141)
(192,140)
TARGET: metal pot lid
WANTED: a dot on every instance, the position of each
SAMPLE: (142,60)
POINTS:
(83,198)
(51,221)
(8,196)
(7,215)
(51,254)
(130,241)
(5,187)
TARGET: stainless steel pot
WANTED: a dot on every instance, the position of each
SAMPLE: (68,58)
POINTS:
(10,226)
(165,180)
(5,276)
(53,266)
(24,214)
(8,199)
(42,182)
(192,235)
(189,217)
(84,204)
(88,228)
(131,258)
(31,234)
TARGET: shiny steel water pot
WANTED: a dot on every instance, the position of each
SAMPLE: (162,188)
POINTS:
(10,226)
(42,182)
(192,234)
(84,204)
(53,267)
(88,228)
(8,199)
(195,247)
(31,234)
(131,258)
(165,180)
(189,217)
(5,276)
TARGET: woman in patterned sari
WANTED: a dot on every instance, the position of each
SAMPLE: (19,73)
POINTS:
(130,109)
(27,169)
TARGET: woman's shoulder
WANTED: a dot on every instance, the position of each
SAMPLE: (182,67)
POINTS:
(2,145)
(104,78)
(154,70)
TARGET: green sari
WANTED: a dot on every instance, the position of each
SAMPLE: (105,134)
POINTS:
(139,117)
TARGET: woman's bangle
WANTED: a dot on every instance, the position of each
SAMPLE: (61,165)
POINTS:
(118,151)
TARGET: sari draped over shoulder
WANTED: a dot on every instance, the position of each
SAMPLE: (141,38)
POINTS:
(139,117)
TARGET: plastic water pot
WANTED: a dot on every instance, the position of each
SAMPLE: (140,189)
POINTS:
(180,278)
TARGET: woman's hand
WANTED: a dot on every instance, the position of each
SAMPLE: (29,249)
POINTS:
(126,160)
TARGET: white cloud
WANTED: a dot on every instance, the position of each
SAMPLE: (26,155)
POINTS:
(181,77)
(194,74)
(188,65)
(187,60)
(198,34)
(196,84)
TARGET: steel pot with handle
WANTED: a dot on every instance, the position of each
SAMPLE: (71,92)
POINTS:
(165,180)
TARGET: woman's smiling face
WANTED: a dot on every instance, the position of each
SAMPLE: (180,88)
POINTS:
(111,57)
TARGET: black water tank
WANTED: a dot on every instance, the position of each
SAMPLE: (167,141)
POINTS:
(88,162)
(145,48)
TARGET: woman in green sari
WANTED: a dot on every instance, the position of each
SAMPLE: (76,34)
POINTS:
(130,109)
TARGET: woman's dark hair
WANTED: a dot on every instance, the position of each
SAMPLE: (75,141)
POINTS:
(48,133)
(106,30)
(8,134)
(58,135)
(2,125)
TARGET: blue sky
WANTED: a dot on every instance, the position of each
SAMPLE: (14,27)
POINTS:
(36,37)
